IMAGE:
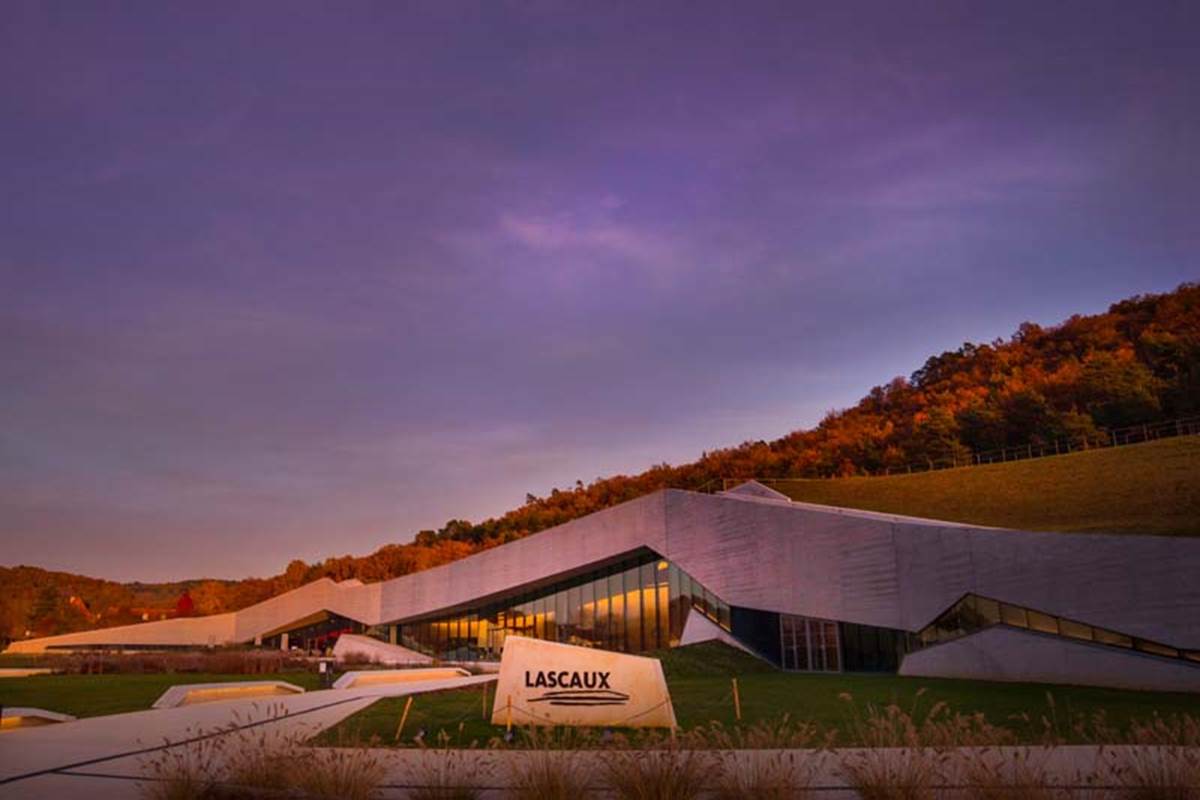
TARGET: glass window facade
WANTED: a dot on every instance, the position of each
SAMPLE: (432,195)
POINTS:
(316,634)
(633,606)
(973,613)
(809,645)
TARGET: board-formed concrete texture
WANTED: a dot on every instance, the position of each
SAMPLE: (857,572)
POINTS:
(548,683)
(759,552)
(380,677)
(189,694)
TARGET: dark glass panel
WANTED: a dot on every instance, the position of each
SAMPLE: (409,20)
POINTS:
(651,639)
(539,618)
(1155,648)
(601,629)
(616,599)
(561,613)
(663,593)
(1042,622)
(633,610)
(1013,615)
(571,634)
(833,653)
(1075,630)
(988,610)
(1112,637)
(723,616)
(675,578)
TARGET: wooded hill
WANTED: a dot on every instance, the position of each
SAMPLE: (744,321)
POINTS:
(1137,363)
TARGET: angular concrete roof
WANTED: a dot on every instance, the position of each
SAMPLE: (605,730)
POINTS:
(758,550)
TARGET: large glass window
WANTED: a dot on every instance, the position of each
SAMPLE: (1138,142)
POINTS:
(809,644)
(633,606)
(973,613)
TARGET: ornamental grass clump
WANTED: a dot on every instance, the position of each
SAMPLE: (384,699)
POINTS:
(1160,759)
(782,761)
(899,758)
(190,772)
(664,770)
(443,773)
(248,759)
(1009,774)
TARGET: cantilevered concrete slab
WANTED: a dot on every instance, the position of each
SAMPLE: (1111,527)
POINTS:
(189,694)
(13,717)
(387,677)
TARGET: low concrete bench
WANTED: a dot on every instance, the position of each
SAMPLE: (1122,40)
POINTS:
(24,672)
(189,694)
(378,677)
(24,717)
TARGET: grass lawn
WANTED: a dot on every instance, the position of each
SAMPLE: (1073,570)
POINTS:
(768,694)
(1143,488)
(96,695)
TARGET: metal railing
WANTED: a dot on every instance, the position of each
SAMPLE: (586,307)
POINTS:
(1103,438)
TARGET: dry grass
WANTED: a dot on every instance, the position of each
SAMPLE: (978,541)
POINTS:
(1161,760)
(549,775)
(665,771)
(223,662)
(446,774)
(1009,774)
(907,756)
(258,762)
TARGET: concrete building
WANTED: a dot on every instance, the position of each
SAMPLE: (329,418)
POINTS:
(806,587)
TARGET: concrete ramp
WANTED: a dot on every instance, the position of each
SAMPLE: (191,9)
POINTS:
(352,647)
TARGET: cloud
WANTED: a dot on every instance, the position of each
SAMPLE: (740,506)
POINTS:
(566,234)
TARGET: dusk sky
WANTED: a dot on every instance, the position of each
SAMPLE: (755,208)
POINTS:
(291,281)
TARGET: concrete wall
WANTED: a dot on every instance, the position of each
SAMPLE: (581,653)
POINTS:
(759,551)
(575,545)
(898,572)
(198,631)
(1010,654)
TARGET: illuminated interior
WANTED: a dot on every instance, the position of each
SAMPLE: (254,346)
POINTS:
(633,606)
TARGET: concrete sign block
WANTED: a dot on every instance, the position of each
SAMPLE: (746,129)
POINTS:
(547,683)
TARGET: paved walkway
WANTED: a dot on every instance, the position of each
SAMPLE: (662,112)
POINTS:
(85,758)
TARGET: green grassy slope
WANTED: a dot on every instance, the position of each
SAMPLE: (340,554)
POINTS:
(817,698)
(1145,488)
(97,695)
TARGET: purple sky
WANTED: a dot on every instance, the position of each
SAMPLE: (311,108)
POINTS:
(296,281)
